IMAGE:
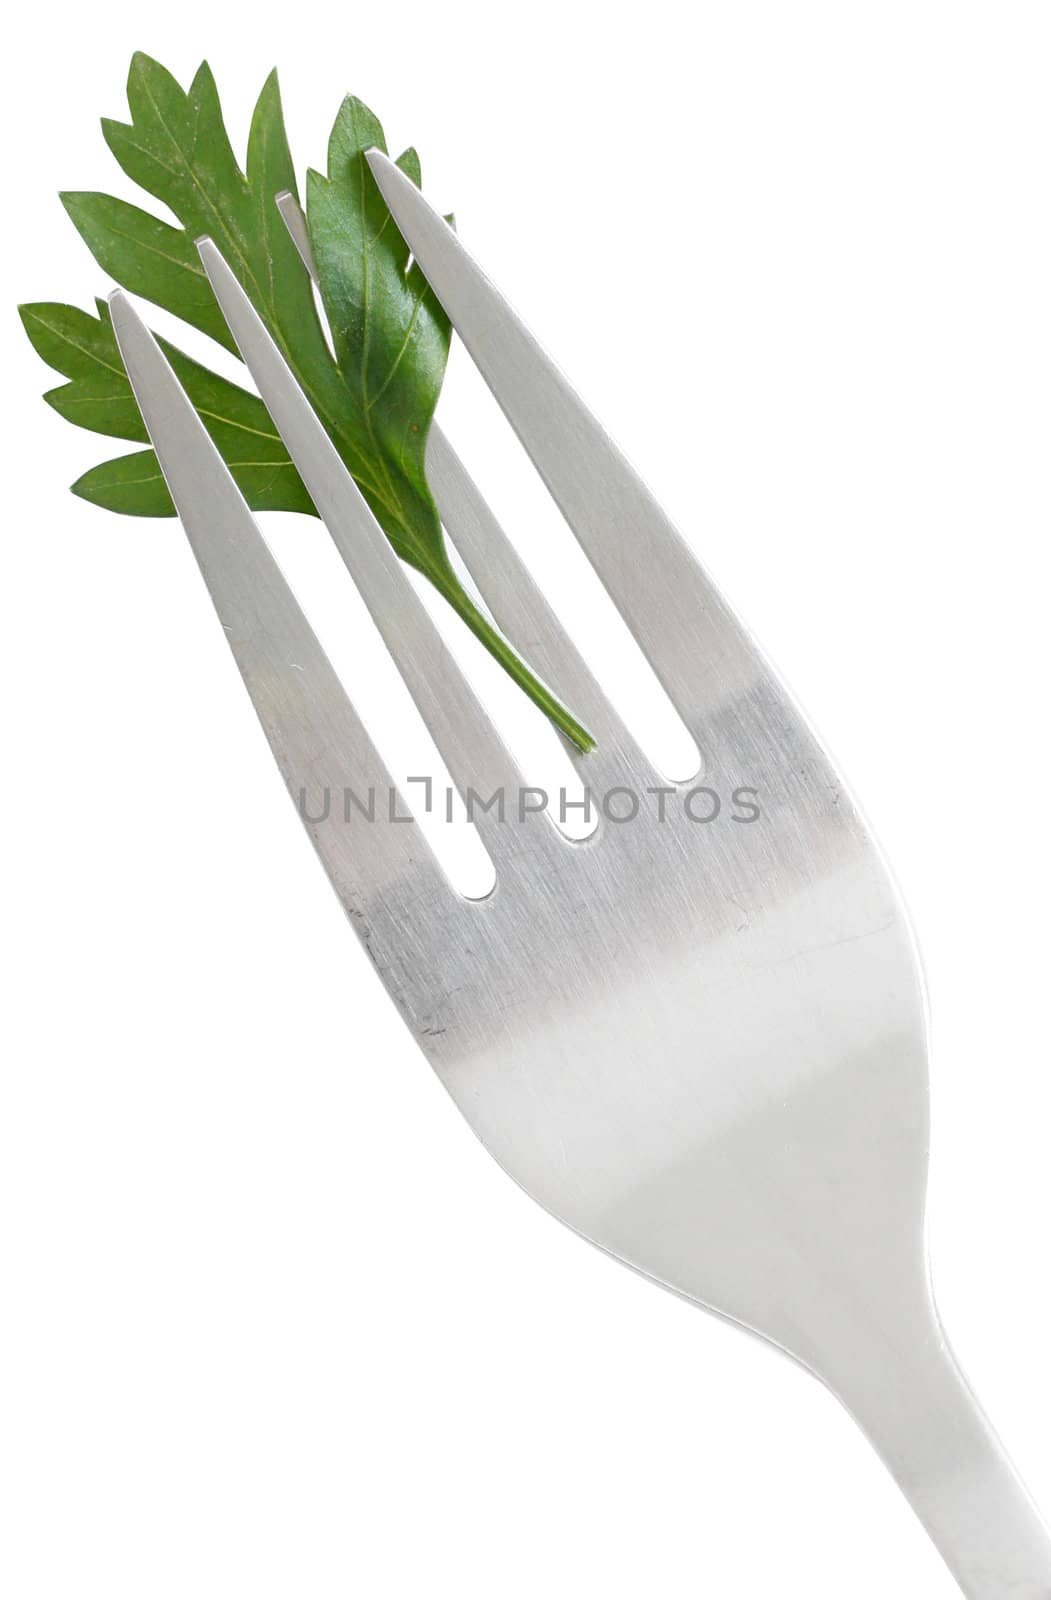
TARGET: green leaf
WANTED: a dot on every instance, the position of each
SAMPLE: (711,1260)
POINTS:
(83,348)
(99,397)
(390,335)
(376,396)
(74,342)
(132,484)
(177,148)
(149,257)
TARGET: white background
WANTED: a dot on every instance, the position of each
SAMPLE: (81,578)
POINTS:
(273,1324)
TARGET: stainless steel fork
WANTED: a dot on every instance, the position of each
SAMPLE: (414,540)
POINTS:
(703,1049)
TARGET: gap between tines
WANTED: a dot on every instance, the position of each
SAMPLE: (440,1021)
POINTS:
(486,443)
(340,619)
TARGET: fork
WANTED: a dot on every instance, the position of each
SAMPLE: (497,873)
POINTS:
(703,1050)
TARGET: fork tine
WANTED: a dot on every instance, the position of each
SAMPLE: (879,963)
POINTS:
(477,758)
(294,219)
(315,734)
(515,600)
(681,622)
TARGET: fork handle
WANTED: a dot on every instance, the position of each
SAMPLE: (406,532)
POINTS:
(914,1403)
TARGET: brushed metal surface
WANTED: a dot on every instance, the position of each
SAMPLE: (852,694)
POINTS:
(704,1048)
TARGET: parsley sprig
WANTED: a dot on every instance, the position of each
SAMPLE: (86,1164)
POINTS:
(375,390)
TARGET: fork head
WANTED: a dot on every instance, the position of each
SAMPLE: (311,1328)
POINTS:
(698,1040)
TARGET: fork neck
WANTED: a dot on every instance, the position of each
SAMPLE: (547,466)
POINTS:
(908,1394)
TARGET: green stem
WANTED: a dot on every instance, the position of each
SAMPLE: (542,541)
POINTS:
(516,668)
